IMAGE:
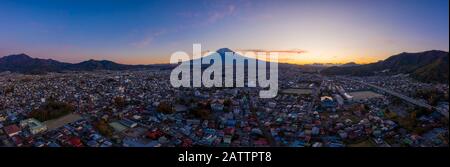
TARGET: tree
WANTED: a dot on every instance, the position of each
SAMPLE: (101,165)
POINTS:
(107,110)
(227,102)
(103,128)
(52,110)
(181,101)
(119,102)
(389,114)
(201,113)
(226,109)
(409,122)
(9,89)
(164,108)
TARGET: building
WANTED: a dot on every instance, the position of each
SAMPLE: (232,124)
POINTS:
(339,100)
(327,102)
(180,108)
(12,130)
(128,123)
(33,125)
(118,127)
(216,107)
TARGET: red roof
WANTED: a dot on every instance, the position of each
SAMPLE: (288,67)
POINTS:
(229,131)
(154,134)
(11,129)
(307,138)
(186,143)
(17,140)
(261,141)
(75,141)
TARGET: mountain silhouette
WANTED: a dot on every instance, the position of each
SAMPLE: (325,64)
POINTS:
(349,64)
(22,63)
(222,53)
(100,65)
(428,66)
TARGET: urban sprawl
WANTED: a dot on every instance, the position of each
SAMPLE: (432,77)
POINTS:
(142,109)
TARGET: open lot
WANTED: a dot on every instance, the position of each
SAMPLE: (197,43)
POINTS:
(59,122)
(297,91)
(361,95)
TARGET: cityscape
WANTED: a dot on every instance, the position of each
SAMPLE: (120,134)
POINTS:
(140,108)
(66,80)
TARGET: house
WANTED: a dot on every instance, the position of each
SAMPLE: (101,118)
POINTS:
(12,130)
(137,117)
(118,127)
(193,122)
(317,144)
(128,123)
(227,139)
(92,143)
(272,104)
(297,143)
(106,144)
(154,134)
(315,131)
(53,144)
(17,140)
(261,142)
(75,142)
(339,99)
(180,108)
(256,131)
(231,123)
(327,102)
(186,142)
(2,117)
(216,107)
(229,131)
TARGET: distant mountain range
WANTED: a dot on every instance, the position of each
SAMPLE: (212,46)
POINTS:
(326,65)
(350,64)
(23,63)
(428,66)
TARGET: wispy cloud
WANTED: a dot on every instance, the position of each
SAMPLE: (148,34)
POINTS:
(145,42)
(219,14)
(212,13)
(293,51)
(195,19)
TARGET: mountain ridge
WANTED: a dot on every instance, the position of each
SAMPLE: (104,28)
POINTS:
(23,63)
(427,66)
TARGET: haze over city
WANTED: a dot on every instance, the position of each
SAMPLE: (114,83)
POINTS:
(148,32)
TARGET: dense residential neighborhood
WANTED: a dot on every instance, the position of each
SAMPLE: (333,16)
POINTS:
(140,108)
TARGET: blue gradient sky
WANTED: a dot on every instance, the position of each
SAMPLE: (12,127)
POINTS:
(144,31)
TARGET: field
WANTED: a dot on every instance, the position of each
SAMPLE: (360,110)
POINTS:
(297,91)
(361,95)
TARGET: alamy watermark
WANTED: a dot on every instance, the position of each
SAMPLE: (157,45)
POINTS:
(218,65)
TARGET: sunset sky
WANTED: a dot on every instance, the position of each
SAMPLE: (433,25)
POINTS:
(149,31)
